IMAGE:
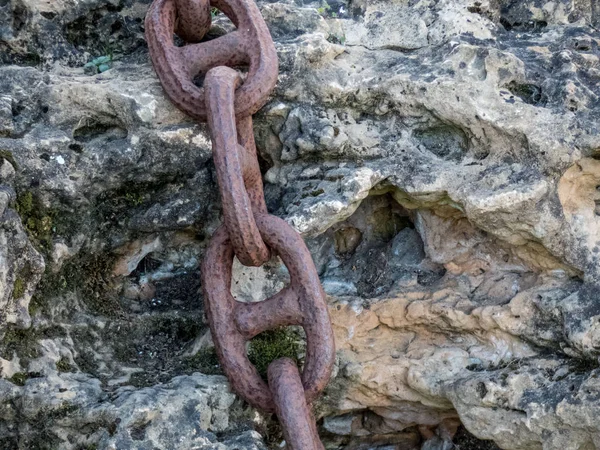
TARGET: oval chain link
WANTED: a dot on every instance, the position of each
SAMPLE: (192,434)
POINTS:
(227,103)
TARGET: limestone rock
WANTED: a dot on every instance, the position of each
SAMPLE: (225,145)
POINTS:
(189,410)
(439,157)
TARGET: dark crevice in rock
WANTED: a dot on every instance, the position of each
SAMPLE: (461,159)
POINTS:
(48,15)
(531,25)
(138,432)
(529,93)
(376,248)
(90,131)
(156,344)
(76,148)
(463,440)
(105,31)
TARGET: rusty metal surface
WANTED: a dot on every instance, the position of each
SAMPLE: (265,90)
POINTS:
(176,66)
(227,102)
(195,23)
(302,302)
(232,163)
(296,418)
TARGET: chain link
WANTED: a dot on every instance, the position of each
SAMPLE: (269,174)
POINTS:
(234,165)
(227,103)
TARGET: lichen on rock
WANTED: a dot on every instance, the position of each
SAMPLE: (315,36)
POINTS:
(21,265)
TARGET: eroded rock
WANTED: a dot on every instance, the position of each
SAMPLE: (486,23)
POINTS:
(21,265)
(440,157)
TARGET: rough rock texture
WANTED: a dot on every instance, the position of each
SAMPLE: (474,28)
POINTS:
(21,265)
(441,157)
(186,412)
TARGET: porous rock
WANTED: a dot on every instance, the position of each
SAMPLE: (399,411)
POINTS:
(439,157)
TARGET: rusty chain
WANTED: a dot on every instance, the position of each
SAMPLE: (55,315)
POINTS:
(227,102)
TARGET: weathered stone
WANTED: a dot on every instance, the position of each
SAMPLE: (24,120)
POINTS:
(440,157)
(188,410)
(21,265)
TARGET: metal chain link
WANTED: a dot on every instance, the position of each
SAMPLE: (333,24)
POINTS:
(227,103)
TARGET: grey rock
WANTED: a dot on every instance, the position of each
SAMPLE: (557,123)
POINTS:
(21,265)
(407,248)
(189,410)
(558,409)
(249,440)
(440,157)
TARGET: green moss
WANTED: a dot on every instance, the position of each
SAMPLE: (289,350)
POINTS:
(43,223)
(339,39)
(85,362)
(67,223)
(25,203)
(135,199)
(19,378)
(324,8)
(205,361)
(22,342)
(25,343)
(19,288)
(90,276)
(583,366)
(272,345)
(95,282)
(38,220)
(63,365)
(34,306)
(64,410)
(32,59)
(113,208)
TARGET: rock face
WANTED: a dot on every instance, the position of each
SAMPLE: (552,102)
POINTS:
(187,411)
(441,157)
(21,264)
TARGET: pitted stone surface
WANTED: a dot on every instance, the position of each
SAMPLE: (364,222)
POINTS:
(440,157)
